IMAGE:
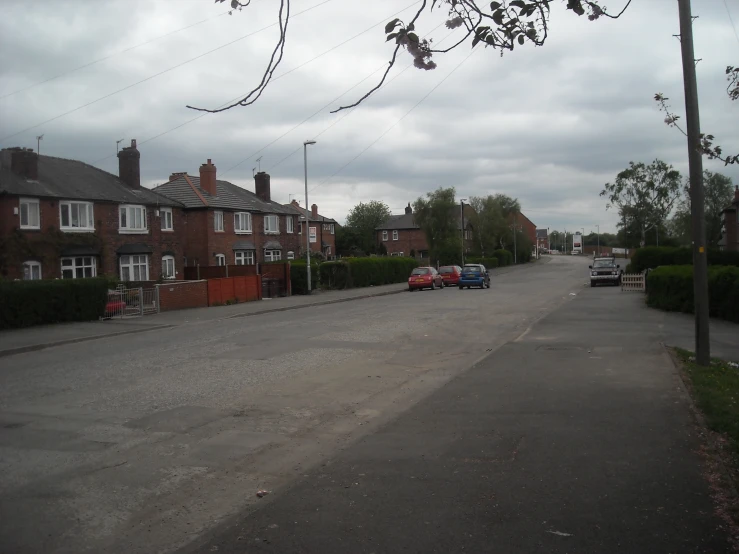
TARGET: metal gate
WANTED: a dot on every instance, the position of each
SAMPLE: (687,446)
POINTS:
(123,302)
(633,281)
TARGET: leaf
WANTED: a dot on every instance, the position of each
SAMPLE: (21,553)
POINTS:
(234,4)
(391,37)
(411,27)
(494,5)
(498,17)
(391,25)
(521,39)
(518,4)
(413,37)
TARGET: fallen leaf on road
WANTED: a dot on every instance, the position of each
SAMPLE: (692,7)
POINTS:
(262,494)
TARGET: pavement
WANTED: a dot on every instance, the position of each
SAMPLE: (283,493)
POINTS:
(536,416)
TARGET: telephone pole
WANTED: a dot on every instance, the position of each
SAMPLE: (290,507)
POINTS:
(695,163)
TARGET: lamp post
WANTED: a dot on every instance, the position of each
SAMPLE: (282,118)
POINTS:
(515,248)
(461,212)
(307,224)
(117,145)
(598,247)
(38,144)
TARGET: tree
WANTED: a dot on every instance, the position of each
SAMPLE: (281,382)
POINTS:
(349,242)
(718,191)
(644,195)
(490,219)
(499,25)
(363,219)
(437,216)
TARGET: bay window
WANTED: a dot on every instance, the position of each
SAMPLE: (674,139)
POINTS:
(244,257)
(79,267)
(135,267)
(272,255)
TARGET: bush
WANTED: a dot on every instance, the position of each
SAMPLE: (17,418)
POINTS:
(671,288)
(299,276)
(365,272)
(335,275)
(504,257)
(489,263)
(27,303)
(651,257)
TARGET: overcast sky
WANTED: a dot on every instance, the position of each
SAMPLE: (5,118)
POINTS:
(547,125)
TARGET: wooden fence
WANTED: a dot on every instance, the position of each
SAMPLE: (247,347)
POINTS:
(234,289)
(633,281)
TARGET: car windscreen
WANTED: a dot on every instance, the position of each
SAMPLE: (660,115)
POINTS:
(420,271)
(603,264)
(446,270)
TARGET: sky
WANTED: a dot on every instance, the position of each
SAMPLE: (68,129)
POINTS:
(547,125)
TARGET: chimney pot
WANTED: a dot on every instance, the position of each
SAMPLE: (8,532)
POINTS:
(129,165)
(208,178)
(262,186)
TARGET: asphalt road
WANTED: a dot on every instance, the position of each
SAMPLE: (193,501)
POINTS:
(361,415)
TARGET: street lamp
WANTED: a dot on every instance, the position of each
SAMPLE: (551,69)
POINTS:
(461,212)
(38,144)
(307,228)
(598,248)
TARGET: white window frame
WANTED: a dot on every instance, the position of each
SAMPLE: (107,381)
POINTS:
(244,257)
(267,228)
(290,255)
(218,218)
(313,234)
(29,203)
(167,217)
(289,224)
(384,236)
(272,255)
(395,235)
(332,228)
(79,263)
(220,259)
(239,219)
(132,262)
(89,215)
(166,260)
(132,213)
(28,267)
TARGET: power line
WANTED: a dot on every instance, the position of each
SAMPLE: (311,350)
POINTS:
(113,55)
(731,21)
(394,124)
(156,74)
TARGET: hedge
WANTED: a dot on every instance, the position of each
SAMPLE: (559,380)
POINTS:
(489,263)
(671,288)
(299,276)
(504,257)
(365,272)
(27,303)
(651,257)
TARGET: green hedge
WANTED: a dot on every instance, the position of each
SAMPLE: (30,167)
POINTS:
(27,303)
(365,272)
(299,276)
(504,257)
(671,288)
(489,263)
(651,257)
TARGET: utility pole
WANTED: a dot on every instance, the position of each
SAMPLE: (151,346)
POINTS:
(38,144)
(695,163)
(307,222)
(515,249)
(598,248)
(461,212)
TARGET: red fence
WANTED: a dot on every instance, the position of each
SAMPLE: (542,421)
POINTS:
(234,289)
(275,277)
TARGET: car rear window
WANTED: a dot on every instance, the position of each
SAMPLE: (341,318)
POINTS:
(446,270)
(420,271)
(472,269)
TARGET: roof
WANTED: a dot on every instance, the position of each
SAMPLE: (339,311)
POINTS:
(272,244)
(541,233)
(307,213)
(186,189)
(76,180)
(394,222)
(244,245)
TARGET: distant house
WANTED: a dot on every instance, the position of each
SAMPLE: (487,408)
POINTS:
(730,225)
(542,240)
(322,230)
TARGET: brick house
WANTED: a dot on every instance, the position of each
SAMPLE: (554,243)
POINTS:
(227,224)
(730,225)
(542,240)
(527,226)
(63,218)
(322,230)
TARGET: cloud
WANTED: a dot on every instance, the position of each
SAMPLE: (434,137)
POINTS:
(547,125)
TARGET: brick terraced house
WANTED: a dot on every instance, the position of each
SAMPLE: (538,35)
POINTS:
(322,230)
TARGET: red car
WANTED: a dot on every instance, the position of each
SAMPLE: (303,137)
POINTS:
(450,274)
(425,278)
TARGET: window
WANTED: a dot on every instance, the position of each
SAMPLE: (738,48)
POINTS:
(135,267)
(289,224)
(30,218)
(326,227)
(79,267)
(220,259)
(384,235)
(291,255)
(132,219)
(395,235)
(76,216)
(332,228)
(168,271)
(328,251)
(312,237)
(271,224)
(272,255)
(31,271)
(167,219)
(218,221)
(242,222)
(245,257)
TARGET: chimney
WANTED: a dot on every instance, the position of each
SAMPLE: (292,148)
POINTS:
(408,209)
(177,175)
(208,178)
(314,211)
(736,193)
(261,186)
(21,161)
(295,203)
(129,168)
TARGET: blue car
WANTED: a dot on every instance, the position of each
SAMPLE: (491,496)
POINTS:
(474,275)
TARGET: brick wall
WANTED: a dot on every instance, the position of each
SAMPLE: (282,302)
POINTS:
(181,295)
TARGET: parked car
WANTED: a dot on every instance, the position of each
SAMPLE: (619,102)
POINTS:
(450,274)
(605,270)
(474,275)
(425,278)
